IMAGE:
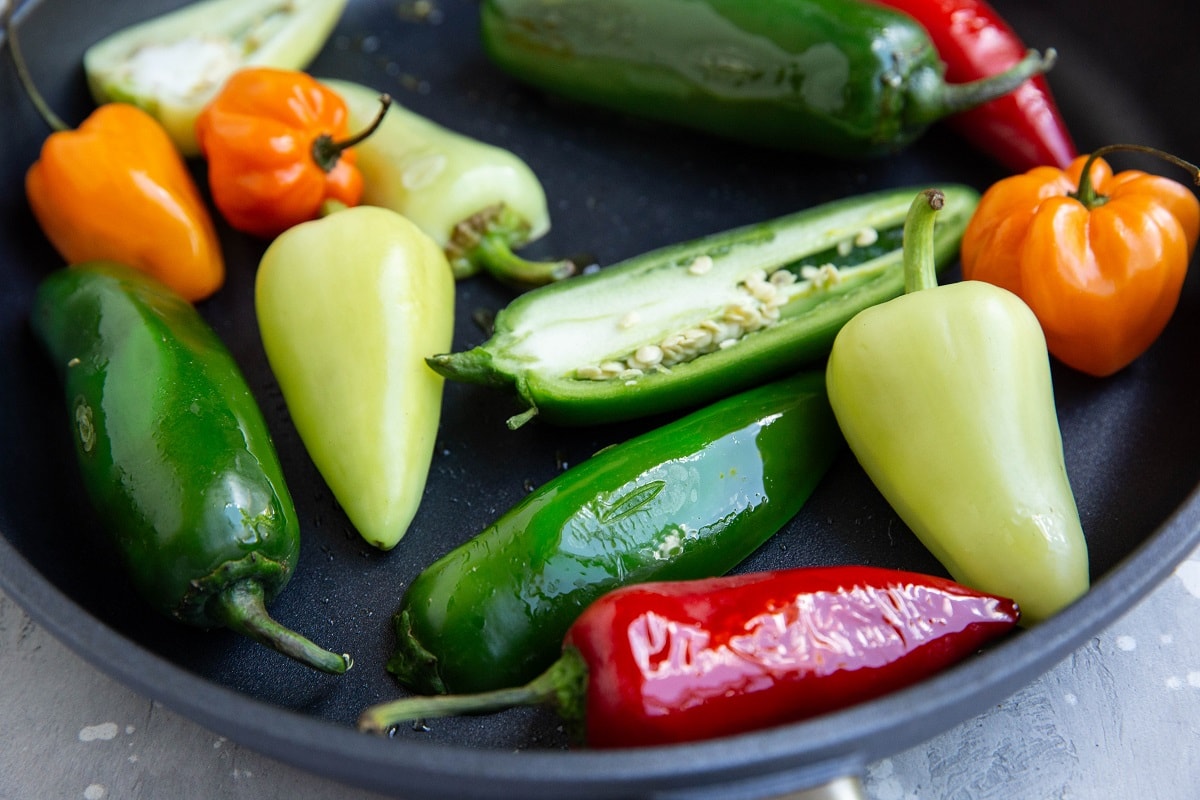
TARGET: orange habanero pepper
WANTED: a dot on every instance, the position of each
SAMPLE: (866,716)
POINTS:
(277,149)
(116,189)
(1099,257)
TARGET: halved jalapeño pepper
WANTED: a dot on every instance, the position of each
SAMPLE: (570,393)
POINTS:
(690,499)
(691,322)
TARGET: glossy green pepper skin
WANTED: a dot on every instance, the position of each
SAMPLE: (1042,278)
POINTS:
(690,499)
(945,397)
(172,65)
(174,452)
(700,312)
(838,77)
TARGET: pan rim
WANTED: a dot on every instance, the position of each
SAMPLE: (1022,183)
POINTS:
(837,744)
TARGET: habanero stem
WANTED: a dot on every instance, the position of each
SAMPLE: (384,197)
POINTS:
(326,151)
(1086,193)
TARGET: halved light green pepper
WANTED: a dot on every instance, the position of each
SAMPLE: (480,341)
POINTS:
(172,65)
(476,200)
(688,323)
(348,307)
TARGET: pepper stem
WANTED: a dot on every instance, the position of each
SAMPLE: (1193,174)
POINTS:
(242,608)
(18,57)
(562,687)
(1086,192)
(920,264)
(485,241)
(497,257)
(950,98)
(468,366)
(327,151)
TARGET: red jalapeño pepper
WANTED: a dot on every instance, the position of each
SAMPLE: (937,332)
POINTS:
(1022,129)
(667,662)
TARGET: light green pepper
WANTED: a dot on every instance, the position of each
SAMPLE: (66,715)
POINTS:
(173,64)
(476,200)
(348,308)
(944,395)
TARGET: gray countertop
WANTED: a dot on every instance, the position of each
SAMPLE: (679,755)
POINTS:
(1119,718)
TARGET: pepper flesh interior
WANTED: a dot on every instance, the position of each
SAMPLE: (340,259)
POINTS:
(702,301)
(145,69)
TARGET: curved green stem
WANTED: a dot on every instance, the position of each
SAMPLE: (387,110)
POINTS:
(1086,193)
(496,256)
(385,716)
(955,97)
(18,57)
(485,241)
(242,608)
(920,264)
(562,687)
(327,151)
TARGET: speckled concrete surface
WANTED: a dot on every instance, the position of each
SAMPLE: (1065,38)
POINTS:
(1118,719)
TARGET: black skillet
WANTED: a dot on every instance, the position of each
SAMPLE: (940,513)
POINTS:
(616,188)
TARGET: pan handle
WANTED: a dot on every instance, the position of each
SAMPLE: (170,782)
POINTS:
(848,788)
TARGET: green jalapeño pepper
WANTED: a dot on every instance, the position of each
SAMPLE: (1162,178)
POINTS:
(174,453)
(171,66)
(476,200)
(348,308)
(690,499)
(945,397)
(688,323)
(837,77)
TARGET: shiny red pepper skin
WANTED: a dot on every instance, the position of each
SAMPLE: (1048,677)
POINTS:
(674,662)
(1021,130)
(678,661)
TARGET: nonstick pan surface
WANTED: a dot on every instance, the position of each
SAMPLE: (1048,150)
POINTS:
(616,187)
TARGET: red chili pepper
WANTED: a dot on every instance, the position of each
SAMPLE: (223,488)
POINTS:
(668,662)
(1022,129)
